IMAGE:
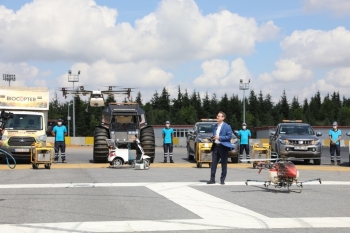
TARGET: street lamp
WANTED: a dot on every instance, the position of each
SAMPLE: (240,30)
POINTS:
(9,77)
(243,86)
(73,78)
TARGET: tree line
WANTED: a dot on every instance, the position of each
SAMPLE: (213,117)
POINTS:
(187,108)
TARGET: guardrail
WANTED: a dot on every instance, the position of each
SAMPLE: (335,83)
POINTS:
(179,142)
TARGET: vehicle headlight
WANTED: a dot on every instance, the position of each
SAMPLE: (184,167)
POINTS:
(201,140)
(133,132)
(42,138)
(4,137)
(316,142)
(234,140)
(283,141)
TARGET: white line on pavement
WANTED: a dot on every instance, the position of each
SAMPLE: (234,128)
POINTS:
(213,212)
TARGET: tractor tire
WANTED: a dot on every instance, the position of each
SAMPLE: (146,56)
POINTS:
(147,140)
(100,151)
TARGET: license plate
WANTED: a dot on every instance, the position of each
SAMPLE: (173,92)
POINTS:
(300,148)
(21,150)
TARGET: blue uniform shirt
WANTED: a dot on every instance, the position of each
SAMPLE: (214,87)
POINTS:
(59,132)
(244,135)
(167,135)
(335,135)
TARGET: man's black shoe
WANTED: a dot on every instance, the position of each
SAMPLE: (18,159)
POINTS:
(211,182)
(339,163)
(171,161)
(248,161)
(165,161)
(222,182)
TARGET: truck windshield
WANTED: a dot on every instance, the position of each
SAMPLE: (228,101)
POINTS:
(25,122)
(205,128)
(297,129)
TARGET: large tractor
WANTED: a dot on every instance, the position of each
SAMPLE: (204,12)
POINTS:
(121,121)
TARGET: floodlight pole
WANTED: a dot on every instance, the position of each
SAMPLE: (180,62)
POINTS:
(68,118)
(243,86)
(73,78)
(9,77)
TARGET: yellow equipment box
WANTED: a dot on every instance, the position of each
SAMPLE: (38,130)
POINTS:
(41,154)
(203,153)
(261,151)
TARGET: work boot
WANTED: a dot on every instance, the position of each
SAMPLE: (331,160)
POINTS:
(55,159)
(63,158)
(338,163)
(332,163)
(165,160)
(171,161)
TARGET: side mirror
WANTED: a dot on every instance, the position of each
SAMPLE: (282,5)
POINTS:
(191,132)
(235,132)
(273,133)
(348,134)
(318,134)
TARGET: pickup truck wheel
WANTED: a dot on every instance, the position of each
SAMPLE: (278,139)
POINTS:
(189,156)
(234,159)
(317,161)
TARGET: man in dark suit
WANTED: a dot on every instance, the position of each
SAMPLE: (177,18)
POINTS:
(222,135)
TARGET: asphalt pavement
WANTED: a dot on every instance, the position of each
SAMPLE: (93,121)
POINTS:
(80,196)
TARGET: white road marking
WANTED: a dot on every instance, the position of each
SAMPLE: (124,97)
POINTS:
(213,212)
(97,185)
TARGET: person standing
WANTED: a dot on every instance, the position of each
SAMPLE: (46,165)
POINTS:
(168,135)
(335,136)
(244,135)
(59,132)
(222,134)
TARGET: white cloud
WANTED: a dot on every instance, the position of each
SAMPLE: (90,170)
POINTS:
(319,49)
(287,70)
(339,77)
(219,77)
(81,30)
(25,74)
(336,7)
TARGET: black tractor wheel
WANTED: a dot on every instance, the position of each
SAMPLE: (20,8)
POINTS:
(148,142)
(100,153)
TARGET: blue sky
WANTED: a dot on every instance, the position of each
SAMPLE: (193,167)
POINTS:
(208,46)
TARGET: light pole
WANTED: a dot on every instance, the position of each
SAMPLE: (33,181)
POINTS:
(243,86)
(73,78)
(68,118)
(9,77)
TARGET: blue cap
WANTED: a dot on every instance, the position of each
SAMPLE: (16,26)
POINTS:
(167,122)
(335,123)
(59,120)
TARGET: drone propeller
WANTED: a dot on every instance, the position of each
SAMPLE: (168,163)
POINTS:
(110,88)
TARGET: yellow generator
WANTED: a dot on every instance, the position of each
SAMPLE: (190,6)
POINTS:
(261,153)
(204,153)
(41,153)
